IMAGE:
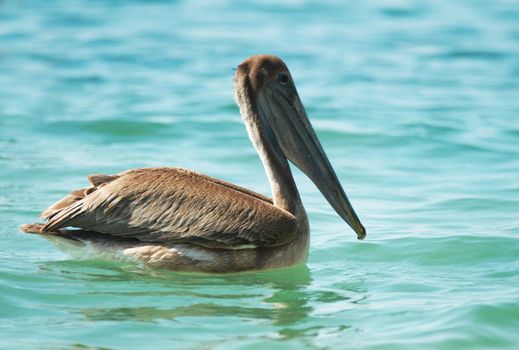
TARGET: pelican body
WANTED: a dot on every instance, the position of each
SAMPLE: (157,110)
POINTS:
(183,220)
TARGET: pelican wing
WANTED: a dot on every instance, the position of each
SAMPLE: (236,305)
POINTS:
(173,205)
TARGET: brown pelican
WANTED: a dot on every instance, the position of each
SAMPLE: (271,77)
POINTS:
(183,220)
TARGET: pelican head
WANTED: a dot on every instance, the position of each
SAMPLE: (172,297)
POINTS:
(266,93)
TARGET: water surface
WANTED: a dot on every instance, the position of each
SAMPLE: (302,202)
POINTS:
(416,104)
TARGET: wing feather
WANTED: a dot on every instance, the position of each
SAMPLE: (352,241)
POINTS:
(177,205)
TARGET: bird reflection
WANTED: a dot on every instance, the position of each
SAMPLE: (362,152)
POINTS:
(285,298)
(280,296)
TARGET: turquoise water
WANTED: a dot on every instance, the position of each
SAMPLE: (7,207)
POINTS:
(416,104)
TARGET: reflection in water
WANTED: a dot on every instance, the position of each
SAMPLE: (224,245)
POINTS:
(151,314)
(284,297)
(279,296)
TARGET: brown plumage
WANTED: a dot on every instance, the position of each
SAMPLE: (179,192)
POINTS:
(173,205)
(184,220)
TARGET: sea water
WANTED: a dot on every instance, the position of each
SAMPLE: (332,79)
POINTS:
(415,102)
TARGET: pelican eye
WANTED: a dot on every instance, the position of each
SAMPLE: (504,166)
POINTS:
(283,78)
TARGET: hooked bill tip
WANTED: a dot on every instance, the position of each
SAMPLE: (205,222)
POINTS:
(362,234)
